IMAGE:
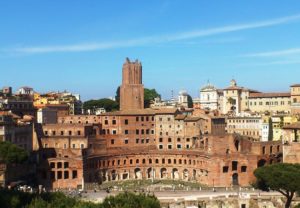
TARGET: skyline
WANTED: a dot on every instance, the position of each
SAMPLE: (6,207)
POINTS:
(86,45)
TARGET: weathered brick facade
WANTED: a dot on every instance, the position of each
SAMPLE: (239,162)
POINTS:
(137,143)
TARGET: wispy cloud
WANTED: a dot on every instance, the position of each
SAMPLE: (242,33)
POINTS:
(155,39)
(277,53)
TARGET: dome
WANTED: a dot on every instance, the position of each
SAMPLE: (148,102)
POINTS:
(183,92)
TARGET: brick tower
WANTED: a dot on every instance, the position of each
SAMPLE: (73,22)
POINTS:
(132,88)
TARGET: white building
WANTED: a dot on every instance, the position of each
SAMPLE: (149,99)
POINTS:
(183,98)
(25,91)
(209,97)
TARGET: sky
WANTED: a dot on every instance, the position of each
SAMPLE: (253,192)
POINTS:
(80,46)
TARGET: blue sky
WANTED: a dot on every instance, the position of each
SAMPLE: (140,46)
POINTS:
(80,46)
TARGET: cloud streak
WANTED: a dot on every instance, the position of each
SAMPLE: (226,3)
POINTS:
(144,41)
(277,53)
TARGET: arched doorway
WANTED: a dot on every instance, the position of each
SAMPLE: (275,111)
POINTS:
(137,173)
(235,179)
(114,175)
(163,173)
(185,175)
(175,174)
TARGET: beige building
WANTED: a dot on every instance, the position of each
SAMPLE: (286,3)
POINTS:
(235,98)
(270,102)
(295,98)
(246,126)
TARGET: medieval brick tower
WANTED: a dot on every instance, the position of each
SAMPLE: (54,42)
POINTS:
(132,88)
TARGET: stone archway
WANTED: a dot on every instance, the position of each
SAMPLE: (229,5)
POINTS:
(175,174)
(114,175)
(137,173)
(235,179)
(163,173)
(185,175)
(194,174)
(150,173)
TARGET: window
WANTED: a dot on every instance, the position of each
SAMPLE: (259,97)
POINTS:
(169,146)
(126,121)
(46,132)
(78,133)
(147,131)
(137,131)
(114,131)
(147,140)
(126,131)
(234,165)
(137,141)
(178,139)
(126,141)
(143,131)
(187,146)
(81,146)
(66,164)
(52,165)
(244,169)
(61,133)
(160,139)
(66,174)
(112,141)
(59,175)
(169,139)
(106,122)
(74,174)
(137,118)
(114,122)
(178,146)
(187,139)
(225,169)
(160,146)
(53,133)
(142,118)
(59,165)
(70,133)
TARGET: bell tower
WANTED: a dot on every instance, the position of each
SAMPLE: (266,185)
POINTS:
(132,88)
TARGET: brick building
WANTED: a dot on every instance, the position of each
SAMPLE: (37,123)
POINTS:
(138,143)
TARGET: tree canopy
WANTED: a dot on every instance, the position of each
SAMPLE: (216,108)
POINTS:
(107,104)
(149,95)
(11,153)
(131,200)
(16,199)
(281,177)
(190,101)
(270,135)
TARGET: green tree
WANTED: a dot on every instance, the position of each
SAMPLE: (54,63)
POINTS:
(281,177)
(11,153)
(131,200)
(107,104)
(117,96)
(149,95)
(270,135)
(190,101)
